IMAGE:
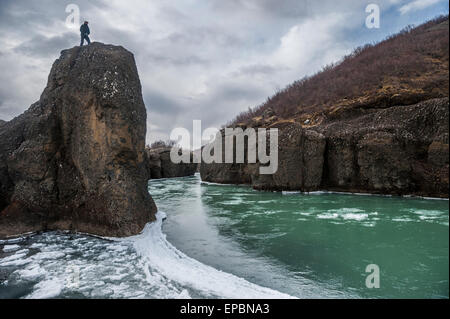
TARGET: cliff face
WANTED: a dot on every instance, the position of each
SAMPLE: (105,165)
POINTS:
(75,160)
(399,150)
(161,166)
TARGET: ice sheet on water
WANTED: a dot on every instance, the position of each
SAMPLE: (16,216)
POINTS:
(161,256)
(144,266)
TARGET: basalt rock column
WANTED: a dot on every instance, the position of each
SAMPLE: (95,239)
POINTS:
(76,159)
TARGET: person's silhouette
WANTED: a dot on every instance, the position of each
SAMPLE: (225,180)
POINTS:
(84,29)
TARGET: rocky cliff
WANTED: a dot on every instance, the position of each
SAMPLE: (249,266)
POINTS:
(75,160)
(161,166)
(399,150)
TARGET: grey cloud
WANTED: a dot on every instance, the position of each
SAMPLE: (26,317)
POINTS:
(277,8)
(173,14)
(198,35)
(233,93)
(176,61)
(225,99)
(257,69)
(40,45)
(19,15)
(157,102)
(213,110)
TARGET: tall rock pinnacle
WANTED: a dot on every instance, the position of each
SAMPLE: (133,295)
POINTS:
(76,159)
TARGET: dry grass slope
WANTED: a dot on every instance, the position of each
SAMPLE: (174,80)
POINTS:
(404,69)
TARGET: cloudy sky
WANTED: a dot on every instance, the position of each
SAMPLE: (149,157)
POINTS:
(198,59)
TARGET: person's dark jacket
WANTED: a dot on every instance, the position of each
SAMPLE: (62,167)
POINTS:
(85,29)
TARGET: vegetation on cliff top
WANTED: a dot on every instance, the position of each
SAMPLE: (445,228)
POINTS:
(404,69)
(162,144)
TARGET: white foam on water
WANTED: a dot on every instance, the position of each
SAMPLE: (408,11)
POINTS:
(424,197)
(328,216)
(290,192)
(434,198)
(317,193)
(268,212)
(234,201)
(349,210)
(171,263)
(424,217)
(353,216)
(266,201)
(303,213)
(428,213)
(369,224)
(219,184)
(431,216)
(370,194)
(346,213)
(402,219)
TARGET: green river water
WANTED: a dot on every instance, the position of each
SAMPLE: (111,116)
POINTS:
(315,245)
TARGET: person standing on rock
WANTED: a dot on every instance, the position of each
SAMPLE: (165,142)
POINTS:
(84,29)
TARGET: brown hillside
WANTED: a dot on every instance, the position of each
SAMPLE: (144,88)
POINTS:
(404,69)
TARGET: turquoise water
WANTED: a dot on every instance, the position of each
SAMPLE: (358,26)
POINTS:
(311,245)
(220,241)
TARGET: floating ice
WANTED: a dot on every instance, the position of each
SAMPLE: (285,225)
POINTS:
(160,255)
(9,248)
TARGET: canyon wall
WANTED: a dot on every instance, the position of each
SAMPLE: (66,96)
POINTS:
(161,166)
